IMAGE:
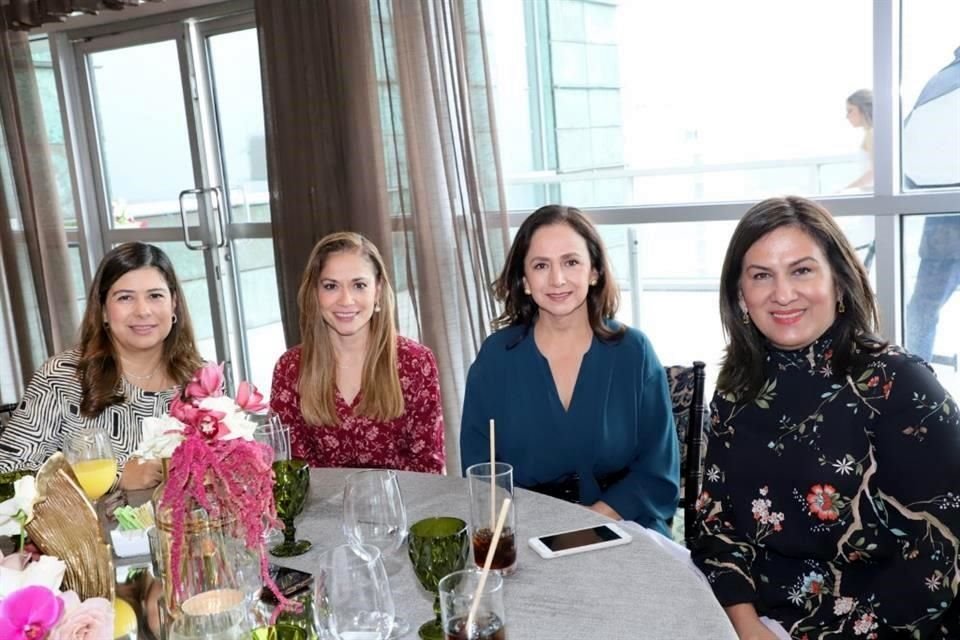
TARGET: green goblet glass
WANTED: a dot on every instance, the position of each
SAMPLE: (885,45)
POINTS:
(438,546)
(290,486)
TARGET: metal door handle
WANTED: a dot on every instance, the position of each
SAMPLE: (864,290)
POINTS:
(193,246)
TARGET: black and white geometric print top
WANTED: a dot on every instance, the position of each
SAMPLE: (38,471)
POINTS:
(50,409)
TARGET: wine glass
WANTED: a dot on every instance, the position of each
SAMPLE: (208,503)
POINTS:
(352,597)
(273,433)
(91,457)
(291,483)
(438,546)
(373,513)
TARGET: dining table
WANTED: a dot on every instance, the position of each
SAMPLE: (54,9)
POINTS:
(644,589)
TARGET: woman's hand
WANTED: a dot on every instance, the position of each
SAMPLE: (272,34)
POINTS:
(140,474)
(604,509)
(747,623)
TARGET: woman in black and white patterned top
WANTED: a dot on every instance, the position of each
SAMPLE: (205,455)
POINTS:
(136,349)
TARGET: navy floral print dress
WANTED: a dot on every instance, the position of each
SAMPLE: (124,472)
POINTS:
(832,503)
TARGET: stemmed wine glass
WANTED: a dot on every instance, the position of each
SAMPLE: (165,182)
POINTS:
(91,457)
(352,597)
(291,483)
(373,513)
(438,546)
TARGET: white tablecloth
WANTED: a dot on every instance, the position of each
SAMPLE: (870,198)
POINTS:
(640,590)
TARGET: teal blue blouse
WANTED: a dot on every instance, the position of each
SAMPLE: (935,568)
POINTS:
(619,418)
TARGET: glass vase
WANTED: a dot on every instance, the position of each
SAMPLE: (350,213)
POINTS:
(208,573)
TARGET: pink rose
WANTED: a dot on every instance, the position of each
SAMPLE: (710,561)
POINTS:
(91,619)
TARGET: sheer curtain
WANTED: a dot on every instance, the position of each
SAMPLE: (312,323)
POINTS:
(452,183)
(37,298)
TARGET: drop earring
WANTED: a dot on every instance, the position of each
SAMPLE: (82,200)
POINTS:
(840,307)
(745,317)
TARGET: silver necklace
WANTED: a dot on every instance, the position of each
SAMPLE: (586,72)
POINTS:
(130,374)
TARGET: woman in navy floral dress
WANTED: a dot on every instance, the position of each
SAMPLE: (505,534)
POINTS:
(831,502)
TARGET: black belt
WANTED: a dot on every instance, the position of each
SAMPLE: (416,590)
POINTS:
(568,487)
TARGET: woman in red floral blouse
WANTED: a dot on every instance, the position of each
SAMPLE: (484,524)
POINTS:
(354,393)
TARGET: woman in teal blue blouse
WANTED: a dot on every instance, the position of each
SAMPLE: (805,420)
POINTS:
(581,403)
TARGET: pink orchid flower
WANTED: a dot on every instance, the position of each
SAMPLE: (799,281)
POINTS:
(183,411)
(206,382)
(209,424)
(248,398)
(28,614)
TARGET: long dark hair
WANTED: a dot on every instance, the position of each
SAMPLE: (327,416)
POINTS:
(603,298)
(856,329)
(98,371)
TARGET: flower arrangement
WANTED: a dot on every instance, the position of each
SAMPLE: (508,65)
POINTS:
(31,605)
(214,464)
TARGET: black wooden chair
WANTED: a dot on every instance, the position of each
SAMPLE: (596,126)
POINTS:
(6,411)
(690,414)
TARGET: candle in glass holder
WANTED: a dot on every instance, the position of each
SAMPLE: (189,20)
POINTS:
(217,614)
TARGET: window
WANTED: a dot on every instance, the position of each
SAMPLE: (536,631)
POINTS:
(618,104)
(930,95)
(931,267)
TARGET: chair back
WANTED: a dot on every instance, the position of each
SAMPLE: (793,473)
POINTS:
(687,386)
(6,412)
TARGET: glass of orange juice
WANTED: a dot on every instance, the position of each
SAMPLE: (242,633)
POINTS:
(91,457)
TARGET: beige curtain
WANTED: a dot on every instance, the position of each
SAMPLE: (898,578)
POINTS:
(454,185)
(323,133)
(37,298)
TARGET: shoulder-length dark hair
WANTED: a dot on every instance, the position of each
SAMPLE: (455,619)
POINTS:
(856,333)
(603,298)
(382,397)
(98,370)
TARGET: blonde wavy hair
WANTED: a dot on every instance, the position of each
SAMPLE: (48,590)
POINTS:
(382,397)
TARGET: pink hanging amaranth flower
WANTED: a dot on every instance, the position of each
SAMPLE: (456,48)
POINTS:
(241,469)
(29,614)
(206,382)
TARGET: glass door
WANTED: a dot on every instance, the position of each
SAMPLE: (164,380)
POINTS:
(174,124)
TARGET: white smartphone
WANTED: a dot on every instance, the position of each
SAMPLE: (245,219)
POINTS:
(565,543)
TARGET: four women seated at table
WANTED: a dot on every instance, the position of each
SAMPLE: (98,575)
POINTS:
(831,502)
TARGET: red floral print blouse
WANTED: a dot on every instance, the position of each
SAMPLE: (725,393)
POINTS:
(411,442)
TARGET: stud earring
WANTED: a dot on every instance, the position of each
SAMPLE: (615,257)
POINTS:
(593,283)
(526,291)
(376,308)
